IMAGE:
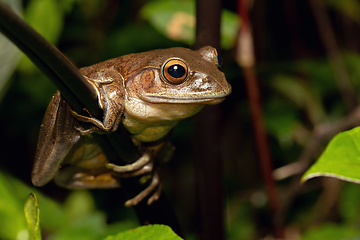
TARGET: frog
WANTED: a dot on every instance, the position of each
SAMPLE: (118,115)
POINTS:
(145,93)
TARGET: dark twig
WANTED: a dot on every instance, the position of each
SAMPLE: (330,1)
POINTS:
(246,59)
(209,163)
(49,60)
(118,146)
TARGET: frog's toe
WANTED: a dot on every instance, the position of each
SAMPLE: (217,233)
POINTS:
(142,165)
(156,194)
(155,185)
(83,131)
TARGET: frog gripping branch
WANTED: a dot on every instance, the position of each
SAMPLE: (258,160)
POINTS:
(174,83)
(147,93)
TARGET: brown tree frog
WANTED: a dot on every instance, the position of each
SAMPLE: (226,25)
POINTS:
(147,93)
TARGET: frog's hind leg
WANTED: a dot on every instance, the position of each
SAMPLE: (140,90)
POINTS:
(80,178)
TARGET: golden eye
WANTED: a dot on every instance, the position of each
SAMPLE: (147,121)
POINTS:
(175,71)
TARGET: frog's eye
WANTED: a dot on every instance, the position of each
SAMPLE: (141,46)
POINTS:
(175,71)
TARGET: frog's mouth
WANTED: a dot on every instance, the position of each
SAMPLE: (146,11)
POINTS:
(205,94)
(196,98)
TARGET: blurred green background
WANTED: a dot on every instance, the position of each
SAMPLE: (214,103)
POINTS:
(298,92)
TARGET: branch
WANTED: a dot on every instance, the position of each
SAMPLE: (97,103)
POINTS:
(246,59)
(49,60)
(209,163)
(78,92)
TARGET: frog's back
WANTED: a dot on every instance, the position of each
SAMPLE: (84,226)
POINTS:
(126,65)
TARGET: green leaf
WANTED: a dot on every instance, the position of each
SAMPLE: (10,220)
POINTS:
(31,210)
(341,158)
(11,208)
(46,16)
(176,20)
(230,24)
(13,194)
(149,232)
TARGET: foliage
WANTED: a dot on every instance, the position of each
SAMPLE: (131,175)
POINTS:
(160,232)
(32,217)
(340,159)
(76,218)
(177,21)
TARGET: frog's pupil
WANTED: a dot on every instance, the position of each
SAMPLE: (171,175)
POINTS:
(176,71)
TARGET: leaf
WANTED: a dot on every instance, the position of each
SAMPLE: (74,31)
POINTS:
(46,16)
(149,232)
(341,158)
(229,29)
(31,210)
(13,194)
(177,21)
(11,209)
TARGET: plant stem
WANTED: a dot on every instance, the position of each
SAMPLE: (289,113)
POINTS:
(209,163)
(246,59)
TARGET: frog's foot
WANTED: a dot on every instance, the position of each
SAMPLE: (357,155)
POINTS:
(144,165)
(155,187)
(88,131)
(99,126)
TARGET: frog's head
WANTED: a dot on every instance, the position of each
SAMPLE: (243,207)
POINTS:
(180,75)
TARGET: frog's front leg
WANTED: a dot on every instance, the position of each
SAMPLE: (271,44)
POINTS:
(109,85)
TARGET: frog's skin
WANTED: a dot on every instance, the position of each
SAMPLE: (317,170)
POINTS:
(148,93)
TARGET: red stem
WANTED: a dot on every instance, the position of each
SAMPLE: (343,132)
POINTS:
(246,61)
